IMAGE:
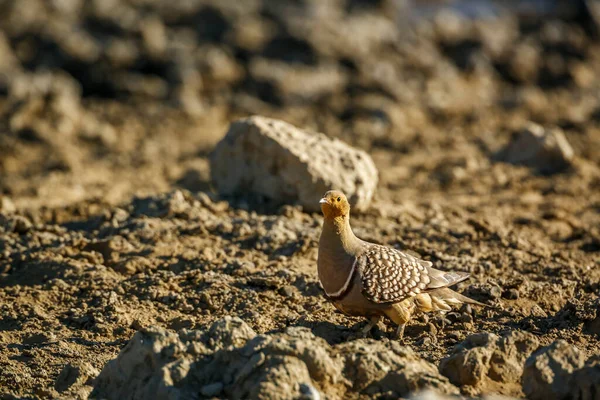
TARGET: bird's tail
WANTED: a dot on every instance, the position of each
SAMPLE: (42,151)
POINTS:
(452,297)
(442,300)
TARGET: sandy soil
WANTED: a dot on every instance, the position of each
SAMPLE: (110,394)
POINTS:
(108,221)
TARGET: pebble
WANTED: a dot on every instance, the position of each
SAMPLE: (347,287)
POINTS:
(287,291)
(495,292)
(424,341)
(21,225)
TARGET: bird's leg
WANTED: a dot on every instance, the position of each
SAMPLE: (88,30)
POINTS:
(400,331)
(373,321)
(401,313)
(441,321)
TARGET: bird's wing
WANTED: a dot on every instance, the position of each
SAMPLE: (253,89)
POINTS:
(441,279)
(389,275)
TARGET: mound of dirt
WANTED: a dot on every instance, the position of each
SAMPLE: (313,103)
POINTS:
(486,357)
(559,371)
(230,360)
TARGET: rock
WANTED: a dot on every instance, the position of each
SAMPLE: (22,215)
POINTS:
(486,291)
(73,375)
(288,291)
(485,356)
(548,372)
(228,360)
(545,150)
(375,368)
(495,292)
(288,165)
(21,225)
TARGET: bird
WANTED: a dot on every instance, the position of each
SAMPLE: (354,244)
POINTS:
(374,281)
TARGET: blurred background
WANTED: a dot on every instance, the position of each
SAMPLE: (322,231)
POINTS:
(100,99)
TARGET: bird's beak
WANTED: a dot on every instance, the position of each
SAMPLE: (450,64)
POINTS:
(323,201)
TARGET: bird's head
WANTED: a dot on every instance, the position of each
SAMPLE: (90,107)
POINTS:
(334,204)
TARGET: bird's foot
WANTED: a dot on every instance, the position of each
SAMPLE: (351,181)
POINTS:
(441,321)
(373,321)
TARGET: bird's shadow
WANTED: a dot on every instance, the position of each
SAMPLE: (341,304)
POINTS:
(335,333)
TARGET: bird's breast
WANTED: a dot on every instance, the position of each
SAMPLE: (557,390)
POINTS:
(335,272)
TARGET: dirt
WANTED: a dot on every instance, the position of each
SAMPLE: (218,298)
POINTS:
(109,222)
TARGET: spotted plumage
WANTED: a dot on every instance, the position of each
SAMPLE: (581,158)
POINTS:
(389,275)
(374,281)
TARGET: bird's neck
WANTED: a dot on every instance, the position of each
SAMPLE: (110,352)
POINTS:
(338,233)
(338,248)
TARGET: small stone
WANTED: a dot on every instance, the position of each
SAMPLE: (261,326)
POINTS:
(21,225)
(546,150)
(495,292)
(287,291)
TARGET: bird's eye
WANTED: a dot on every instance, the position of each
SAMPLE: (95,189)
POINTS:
(339,199)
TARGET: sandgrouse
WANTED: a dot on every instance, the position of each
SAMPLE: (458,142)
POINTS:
(370,280)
